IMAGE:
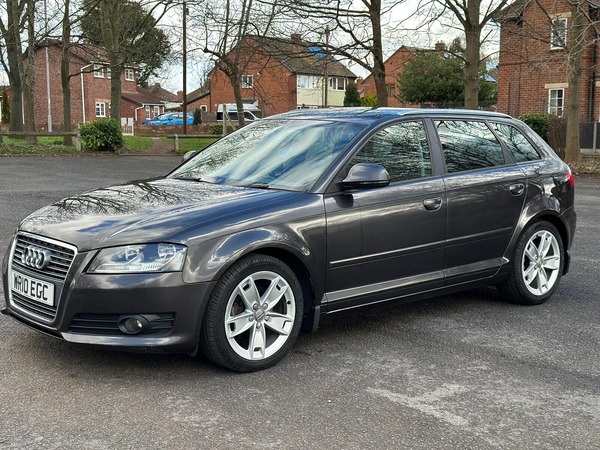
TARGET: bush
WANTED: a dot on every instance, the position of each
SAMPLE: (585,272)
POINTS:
(369,100)
(102,135)
(538,122)
(197,116)
(218,129)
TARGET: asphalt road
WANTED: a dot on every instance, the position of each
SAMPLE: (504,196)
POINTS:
(460,371)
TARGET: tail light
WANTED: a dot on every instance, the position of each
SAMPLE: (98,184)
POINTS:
(570,178)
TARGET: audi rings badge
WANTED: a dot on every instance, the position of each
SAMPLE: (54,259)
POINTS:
(36,257)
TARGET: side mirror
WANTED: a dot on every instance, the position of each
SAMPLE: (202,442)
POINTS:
(189,154)
(366,176)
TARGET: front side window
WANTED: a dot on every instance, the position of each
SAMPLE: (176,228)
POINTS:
(556,102)
(156,110)
(517,143)
(247,81)
(274,154)
(100,109)
(402,149)
(147,110)
(558,39)
(129,74)
(307,81)
(468,145)
(98,71)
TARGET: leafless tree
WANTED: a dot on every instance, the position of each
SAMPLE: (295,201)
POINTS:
(356,32)
(227,27)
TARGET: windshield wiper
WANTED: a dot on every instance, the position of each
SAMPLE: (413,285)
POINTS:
(258,186)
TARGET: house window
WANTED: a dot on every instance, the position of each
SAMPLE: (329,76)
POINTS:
(558,39)
(338,83)
(98,71)
(156,110)
(307,81)
(247,81)
(556,101)
(108,72)
(203,108)
(391,90)
(147,109)
(100,109)
(129,74)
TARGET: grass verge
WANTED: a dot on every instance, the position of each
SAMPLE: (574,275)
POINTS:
(190,144)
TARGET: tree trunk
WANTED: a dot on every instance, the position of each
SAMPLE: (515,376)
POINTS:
(116,89)
(239,102)
(12,38)
(65,78)
(576,47)
(29,74)
(378,62)
(472,50)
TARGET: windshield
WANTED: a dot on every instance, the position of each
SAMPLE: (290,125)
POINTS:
(279,154)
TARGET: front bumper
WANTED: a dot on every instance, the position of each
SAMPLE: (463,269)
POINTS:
(109,297)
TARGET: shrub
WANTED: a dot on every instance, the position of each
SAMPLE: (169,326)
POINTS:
(102,135)
(352,97)
(218,129)
(197,116)
(538,122)
(369,100)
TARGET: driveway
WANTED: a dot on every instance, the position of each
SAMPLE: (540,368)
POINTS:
(461,371)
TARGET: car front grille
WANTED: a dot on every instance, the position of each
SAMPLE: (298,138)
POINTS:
(60,261)
(44,311)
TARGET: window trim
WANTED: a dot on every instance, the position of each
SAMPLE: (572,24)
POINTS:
(102,107)
(554,37)
(562,106)
(247,81)
(129,74)
(98,71)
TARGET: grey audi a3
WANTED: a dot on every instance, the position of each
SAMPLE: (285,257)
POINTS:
(292,221)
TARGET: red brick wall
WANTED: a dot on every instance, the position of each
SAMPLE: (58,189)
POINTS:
(527,64)
(393,67)
(274,87)
(94,89)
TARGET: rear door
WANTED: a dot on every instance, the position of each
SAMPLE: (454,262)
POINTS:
(485,195)
(387,242)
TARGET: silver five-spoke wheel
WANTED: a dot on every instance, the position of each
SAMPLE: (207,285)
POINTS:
(541,262)
(254,314)
(537,265)
(260,315)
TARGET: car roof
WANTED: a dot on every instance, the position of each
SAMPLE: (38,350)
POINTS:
(371,115)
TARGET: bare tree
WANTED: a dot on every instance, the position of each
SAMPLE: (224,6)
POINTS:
(227,28)
(356,34)
(13,63)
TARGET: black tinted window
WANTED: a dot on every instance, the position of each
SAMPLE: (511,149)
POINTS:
(518,144)
(468,145)
(402,149)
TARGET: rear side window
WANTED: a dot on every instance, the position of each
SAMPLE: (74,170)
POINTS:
(518,144)
(402,149)
(468,145)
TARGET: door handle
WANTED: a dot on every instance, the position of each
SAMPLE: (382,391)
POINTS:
(432,204)
(517,189)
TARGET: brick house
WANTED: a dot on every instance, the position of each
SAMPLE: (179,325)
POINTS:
(90,86)
(532,72)
(393,67)
(280,75)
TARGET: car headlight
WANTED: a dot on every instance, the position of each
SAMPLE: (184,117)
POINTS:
(139,259)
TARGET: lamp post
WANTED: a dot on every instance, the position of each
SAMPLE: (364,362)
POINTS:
(184,104)
(326,74)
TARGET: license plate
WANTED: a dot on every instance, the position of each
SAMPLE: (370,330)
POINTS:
(37,290)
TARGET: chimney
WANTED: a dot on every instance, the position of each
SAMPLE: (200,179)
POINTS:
(296,38)
(440,47)
(180,94)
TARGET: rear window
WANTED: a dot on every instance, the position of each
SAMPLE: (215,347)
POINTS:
(468,145)
(517,143)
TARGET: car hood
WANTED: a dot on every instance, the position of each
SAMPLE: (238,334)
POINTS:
(141,211)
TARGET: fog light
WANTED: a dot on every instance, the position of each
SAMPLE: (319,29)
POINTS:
(132,324)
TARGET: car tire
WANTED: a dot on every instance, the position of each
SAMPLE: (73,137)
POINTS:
(254,315)
(537,266)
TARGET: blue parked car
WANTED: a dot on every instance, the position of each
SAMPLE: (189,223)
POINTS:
(171,118)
